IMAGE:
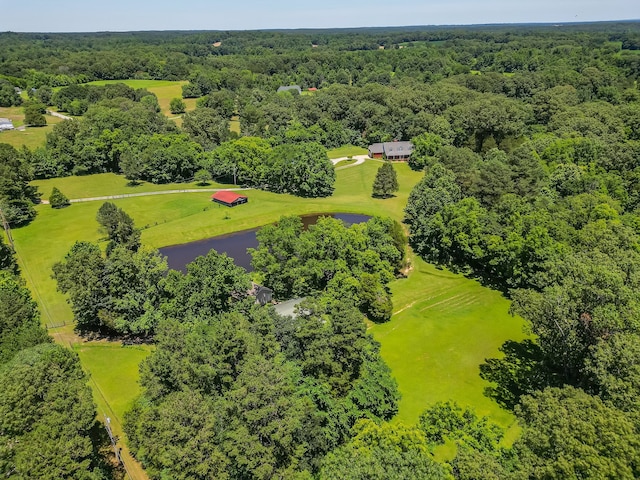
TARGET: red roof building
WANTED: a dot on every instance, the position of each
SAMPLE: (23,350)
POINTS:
(230,199)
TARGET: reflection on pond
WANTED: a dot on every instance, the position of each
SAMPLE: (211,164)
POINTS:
(236,244)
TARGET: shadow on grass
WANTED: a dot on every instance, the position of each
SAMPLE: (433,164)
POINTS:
(521,371)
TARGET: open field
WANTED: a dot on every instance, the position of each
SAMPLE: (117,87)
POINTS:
(31,137)
(444,326)
(165,90)
(347,151)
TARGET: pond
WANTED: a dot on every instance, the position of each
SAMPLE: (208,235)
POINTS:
(235,245)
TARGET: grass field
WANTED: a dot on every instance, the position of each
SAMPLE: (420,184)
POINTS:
(113,373)
(347,151)
(443,328)
(165,90)
(178,218)
(31,137)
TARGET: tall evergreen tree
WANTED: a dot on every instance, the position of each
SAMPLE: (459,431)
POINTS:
(386,181)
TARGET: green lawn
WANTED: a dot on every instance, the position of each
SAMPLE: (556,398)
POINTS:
(347,151)
(113,370)
(113,373)
(443,328)
(31,137)
(165,90)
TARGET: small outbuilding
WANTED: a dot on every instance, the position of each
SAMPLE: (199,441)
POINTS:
(6,124)
(228,198)
(263,295)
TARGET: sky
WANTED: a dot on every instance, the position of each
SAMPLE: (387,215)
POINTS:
(127,15)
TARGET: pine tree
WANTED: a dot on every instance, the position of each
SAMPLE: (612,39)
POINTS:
(57,199)
(386,181)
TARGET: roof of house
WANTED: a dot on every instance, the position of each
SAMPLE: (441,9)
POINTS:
(391,149)
(290,87)
(312,89)
(227,196)
(398,148)
(6,120)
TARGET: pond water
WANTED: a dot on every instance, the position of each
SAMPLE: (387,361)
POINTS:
(235,245)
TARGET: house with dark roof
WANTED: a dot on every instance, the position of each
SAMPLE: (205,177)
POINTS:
(391,150)
(290,87)
(229,199)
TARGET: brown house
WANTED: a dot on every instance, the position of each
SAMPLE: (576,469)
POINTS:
(391,150)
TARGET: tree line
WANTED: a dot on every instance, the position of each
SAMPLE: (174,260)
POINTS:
(48,425)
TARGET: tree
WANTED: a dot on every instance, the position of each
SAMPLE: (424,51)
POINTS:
(177,106)
(206,127)
(570,434)
(8,95)
(425,147)
(301,169)
(80,275)
(380,452)
(19,318)
(46,414)
(202,177)
(34,114)
(212,284)
(118,226)
(16,195)
(7,258)
(386,181)
(132,167)
(57,199)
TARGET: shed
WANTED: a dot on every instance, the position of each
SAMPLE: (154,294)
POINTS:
(229,199)
(6,124)
(376,150)
(290,87)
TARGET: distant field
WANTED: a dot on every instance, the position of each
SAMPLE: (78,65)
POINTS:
(443,328)
(165,90)
(31,137)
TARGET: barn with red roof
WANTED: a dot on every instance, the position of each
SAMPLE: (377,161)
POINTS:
(228,198)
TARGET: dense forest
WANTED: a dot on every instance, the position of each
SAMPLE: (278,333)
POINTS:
(529,139)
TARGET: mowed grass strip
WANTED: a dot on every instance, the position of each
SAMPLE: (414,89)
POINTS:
(113,374)
(113,368)
(443,328)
